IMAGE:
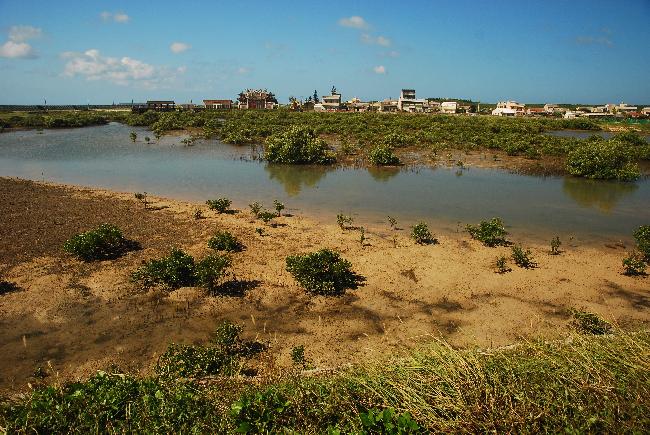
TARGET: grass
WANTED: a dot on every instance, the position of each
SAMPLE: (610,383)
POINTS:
(587,384)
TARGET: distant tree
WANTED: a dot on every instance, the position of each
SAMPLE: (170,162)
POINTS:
(242,97)
(316,100)
(271,98)
(333,90)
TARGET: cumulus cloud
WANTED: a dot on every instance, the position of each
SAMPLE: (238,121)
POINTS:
(179,47)
(17,47)
(354,21)
(380,69)
(378,40)
(122,71)
(118,17)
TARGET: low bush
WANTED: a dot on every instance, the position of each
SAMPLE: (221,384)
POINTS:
(634,264)
(502,265)
(142,197)
(387,421)
(421,234)
(323,272)
(491,233)
(642,238)
(298,356)
(589,323)
(382,155)
(266,216)
(343,221)
(210,271)
(555,245)
(221,205)
(278,206)
(105,242)
(174,271)
(523,258)
(133,136)
(256,208)
(603,159)
(297,145)
(225,241)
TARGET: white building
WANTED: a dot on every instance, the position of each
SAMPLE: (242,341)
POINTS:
(330,102)
(408,103)
(509,108)
(449,107)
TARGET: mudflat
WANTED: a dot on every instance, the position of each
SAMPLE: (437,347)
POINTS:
(79,317)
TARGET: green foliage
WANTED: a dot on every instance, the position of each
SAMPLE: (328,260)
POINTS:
(102,243)
(196,361)
(323,272)
(603,159)
(491,233)
(225,241)
(555,245)
(388,422)
(634,264)
(420,233)
(502,265)
(266,216)
(259,231)
(362,236)
(221,205)
(210,271)
(142,197)
(133,136)
(256,207)
(198,214)
(147,139)
(382,155)
(260,412)
(642,238)
(297,145)
(298,356)
(589,323)
(523,258)
(278,207)
(343,221)
(396,140)
(174,271)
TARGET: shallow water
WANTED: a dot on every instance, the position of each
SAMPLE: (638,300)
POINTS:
(533,206)
(581,134)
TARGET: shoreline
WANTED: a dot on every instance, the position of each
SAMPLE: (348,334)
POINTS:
(81,317)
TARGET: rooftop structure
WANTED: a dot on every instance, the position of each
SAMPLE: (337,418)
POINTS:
(408,103)
(218,104)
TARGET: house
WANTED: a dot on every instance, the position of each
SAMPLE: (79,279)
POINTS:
(161,105)
(330,102)
(356,105)
(257,99)
(553,108)
(509,108)
(218,104)
(645,111)
(449,107)
(625,108)
(388,106)
(432,106)
(536,111)
(408,103)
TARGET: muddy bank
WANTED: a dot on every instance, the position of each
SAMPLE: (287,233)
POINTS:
(79,317)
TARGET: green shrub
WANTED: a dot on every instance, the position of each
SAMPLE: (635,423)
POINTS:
(298,356)
(634,264)
(387,421)
(225,241)
(420,233)
(491,233)
(603,159)
(142,197)
(210,271)
(555,245)
(589,323)
(278,207)
(198,214)
(382,155)
(174,271)
(260,412)
(221,205)
(501,265)
(256,207)
(105,242)
(266,216)
(323,272)
(523,258)
(133,136)
(343,221)
(297,145)
(642,238)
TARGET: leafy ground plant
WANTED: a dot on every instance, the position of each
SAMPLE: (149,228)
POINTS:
(421,234)
(343,221)
(634,264)
(382,155)
(323,272)
(210,271)
(387,421)
(278,206)
(102,243)
(555,246)
(256,208)
(490,233)
(502,265)
(173,271)
(589,323)
(225,241)
(221,205)
(642,238)
(266,216)
(523,258)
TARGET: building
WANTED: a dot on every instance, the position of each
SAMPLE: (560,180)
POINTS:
(218,104)
(408,103)
(625,108)
(330,102)
(432,106)
(553,108)
(536,111)
(509,108)
(645,111)
(256,99)
(449,107)
(388,106)
(161,105)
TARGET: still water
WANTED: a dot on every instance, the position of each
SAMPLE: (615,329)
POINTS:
(532,206)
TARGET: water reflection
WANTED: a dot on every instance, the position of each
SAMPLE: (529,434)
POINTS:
(294,178)
(383,174)
(602,195)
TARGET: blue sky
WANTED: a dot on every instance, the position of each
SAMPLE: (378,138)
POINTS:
(532,51)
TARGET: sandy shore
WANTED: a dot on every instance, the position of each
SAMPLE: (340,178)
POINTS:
(80,317)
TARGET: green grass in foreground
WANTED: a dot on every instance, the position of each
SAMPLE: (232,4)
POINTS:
(584,384)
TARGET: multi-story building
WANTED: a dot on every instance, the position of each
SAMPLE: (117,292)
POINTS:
(509,108)
(449,107)
(256,99)
(408,103)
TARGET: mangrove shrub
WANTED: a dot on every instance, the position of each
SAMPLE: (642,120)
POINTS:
(323,272)
(297,145)
(603,159)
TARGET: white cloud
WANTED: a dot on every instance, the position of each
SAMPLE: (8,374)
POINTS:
(122,71)
(118,17)
(354,21)
(379,40)
(16,47)
(392,53)
(179,47)
(380,69)
(243,70)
